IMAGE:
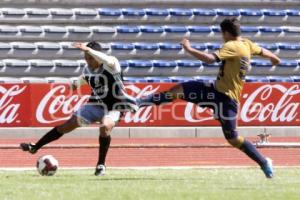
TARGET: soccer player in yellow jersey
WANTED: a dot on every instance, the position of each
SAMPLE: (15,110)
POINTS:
(224,95)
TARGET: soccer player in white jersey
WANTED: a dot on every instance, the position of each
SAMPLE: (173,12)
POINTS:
(106,103)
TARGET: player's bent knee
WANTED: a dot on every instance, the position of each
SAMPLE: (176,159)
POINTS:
(107,125)
(236,142)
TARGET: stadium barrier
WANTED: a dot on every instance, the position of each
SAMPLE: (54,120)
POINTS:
(47,105)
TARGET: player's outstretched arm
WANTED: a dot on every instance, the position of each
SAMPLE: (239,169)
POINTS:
(205,57)
(99,56)
(268,54)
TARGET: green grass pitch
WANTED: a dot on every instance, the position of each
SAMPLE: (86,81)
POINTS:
(219,184)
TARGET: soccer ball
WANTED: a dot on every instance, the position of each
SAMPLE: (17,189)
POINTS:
(47,165)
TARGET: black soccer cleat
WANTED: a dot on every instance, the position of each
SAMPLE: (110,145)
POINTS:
(100,170)
(28,147)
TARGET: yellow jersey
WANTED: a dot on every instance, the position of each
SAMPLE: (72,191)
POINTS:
(235,56)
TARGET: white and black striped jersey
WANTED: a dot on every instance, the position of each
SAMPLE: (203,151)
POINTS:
(108,88)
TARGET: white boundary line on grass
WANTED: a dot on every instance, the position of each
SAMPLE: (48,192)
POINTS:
(145,168)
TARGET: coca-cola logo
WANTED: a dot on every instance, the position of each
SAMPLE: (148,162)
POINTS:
(283,110)
(271,103)
(8,108)
(57,106)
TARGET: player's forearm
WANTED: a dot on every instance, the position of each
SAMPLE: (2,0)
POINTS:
(205,57)
(102,57)
(80,82)
(268,54)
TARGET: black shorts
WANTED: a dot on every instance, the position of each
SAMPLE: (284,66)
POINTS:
(225,109)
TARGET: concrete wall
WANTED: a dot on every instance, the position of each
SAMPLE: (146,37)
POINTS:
(154,132)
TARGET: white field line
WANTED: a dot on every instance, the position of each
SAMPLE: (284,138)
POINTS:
(3,169)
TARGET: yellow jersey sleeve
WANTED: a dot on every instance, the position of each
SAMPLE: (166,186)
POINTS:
(226,52)
(254,48)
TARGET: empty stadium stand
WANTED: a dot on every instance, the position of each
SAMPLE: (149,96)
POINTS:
(36,40)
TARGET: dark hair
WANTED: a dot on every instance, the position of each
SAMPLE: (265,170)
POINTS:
(94,45)
(232,26)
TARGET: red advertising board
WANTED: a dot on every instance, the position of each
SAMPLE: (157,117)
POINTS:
(262,104)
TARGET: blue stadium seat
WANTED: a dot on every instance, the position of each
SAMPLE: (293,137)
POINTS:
(180,12)
(151,29)
(270,31)
(256,79)
(199,30)
(157,12)
(199,46)
(288,63)
(133,12)
(216,30)
(274,15)
(134,79)
(146,46)
(123,63)
(214,65)
(12,12)
(292,15)
(164,63)
(122,46)
(109,12)
(274,12)
(292,12)
(128,29)
(290,50)
(139,63)
(175,29)
(61,13)
(213,46)
(269,46)
(170,46)
(251,12)
(295,78)
(261,63)
(158,80)
(204,12)
(266,29)
(37,12)
(249,29)
(180,79)
(227,12)
(280,79)
(189,63)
